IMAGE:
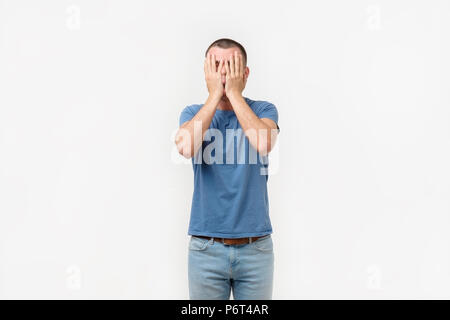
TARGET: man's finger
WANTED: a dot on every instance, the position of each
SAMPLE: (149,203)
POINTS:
(236,63)
(211,63)
(207,63)
(241,66)
(220,65)
(232,66)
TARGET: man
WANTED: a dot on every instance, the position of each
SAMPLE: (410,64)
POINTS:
(231,245)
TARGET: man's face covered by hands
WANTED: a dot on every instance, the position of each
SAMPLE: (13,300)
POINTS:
(230,55)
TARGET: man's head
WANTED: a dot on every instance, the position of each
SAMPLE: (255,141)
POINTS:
(223,49)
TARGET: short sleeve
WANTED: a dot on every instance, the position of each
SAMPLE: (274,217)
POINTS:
(186,115)
(269,111)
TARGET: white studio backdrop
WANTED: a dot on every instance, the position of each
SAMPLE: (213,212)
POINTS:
(94,203)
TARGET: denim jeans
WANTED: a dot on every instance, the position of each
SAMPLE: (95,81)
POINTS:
(214,269)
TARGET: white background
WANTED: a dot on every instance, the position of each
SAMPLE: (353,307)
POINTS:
(93,203)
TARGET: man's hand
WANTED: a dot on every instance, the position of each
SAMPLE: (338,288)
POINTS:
(213,76)
(235,79)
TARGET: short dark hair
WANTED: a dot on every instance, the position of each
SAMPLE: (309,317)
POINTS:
(226,43)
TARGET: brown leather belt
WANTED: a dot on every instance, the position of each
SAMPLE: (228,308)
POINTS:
(230,241)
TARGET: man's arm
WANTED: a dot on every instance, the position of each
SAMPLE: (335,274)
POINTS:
(261,132)
(187,139)
(258,131)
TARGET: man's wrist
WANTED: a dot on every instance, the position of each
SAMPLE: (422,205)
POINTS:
(234,96)
(214,97)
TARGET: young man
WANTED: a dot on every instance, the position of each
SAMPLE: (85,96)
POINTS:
(231,244)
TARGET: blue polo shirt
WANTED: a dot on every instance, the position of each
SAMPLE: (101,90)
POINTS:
(230,187)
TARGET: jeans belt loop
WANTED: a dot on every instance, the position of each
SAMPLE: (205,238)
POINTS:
(250,240)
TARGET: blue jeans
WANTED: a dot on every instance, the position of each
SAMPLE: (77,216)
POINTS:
(214,269)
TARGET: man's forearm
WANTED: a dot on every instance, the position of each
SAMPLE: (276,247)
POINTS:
(252,125)
(189,140)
